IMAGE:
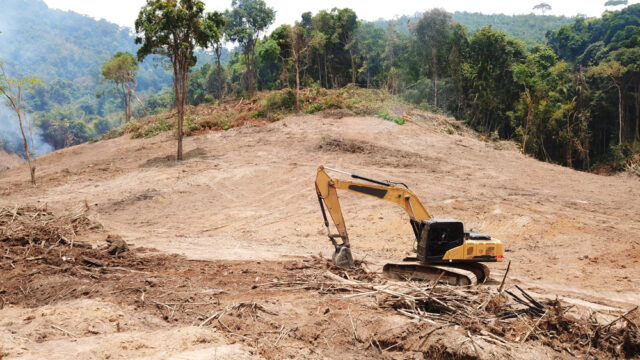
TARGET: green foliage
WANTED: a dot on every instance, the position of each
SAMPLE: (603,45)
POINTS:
(246,20)
(282,100)
(121,71)
(385,114)
(619,156)
(174,29)
(492,89)
(313,108)
(147,128)
(333,102)
(121,68)
(190,126)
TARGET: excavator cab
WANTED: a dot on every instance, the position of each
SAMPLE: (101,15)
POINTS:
(437,237)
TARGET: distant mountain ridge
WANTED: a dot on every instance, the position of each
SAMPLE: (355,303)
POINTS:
(530,28)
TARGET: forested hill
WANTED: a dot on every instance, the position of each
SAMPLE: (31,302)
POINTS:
(530,29)
(54,44)
(66,51)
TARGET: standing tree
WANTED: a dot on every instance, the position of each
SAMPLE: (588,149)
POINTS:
(299,45)
(121,70)
(247,20)
(614,71)
(12,90)
(389,58)
(346,22)
(432,36)
(217,40)
(543,8)
(173,28)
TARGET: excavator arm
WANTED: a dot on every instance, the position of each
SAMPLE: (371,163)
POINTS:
(397,193)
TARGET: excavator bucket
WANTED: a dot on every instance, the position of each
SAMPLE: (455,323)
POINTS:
(342,256)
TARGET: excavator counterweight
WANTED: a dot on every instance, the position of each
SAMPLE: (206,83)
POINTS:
(445,252)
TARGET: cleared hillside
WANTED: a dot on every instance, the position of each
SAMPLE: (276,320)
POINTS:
(245,198)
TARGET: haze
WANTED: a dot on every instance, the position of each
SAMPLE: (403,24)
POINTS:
(124,12)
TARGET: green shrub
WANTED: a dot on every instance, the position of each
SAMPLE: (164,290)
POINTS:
(258,114)
(226,123)
(189,126)
(619,156)
(113,133)
(154,128)
(283,100)
(332,102)
(313,108)
(385,114)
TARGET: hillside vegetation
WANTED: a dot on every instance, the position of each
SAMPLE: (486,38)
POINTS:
(571,100)
(66,51)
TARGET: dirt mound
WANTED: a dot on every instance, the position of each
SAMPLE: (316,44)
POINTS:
(336,113)
(333,143)
(372,154)
(170,160)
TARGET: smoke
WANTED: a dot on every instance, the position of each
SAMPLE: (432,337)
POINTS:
(11,137)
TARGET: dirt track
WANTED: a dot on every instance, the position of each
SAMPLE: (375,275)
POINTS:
(246,195)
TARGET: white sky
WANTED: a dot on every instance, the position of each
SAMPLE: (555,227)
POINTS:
(124,12)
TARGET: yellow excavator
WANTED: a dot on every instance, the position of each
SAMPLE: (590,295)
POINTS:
(444,251)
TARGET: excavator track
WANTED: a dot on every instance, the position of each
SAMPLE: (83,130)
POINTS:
(461,274)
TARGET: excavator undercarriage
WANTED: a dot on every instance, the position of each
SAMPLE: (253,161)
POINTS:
(444,252)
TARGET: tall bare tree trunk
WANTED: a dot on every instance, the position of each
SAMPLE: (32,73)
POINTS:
(15,104)
(637,134)
(218,50)
(177,88)
(32,164)
(529,119)
(252,68)
(140,102)
(133,91)
(435,76)
(619,114)
(319,68)
(353,67)
(297,84)
(326,73)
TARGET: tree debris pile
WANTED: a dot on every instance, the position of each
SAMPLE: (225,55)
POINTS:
(505,319)
(37,225)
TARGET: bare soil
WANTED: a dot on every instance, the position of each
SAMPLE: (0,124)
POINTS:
(240,211)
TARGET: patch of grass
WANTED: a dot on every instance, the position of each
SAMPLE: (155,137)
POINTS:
(385,114)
